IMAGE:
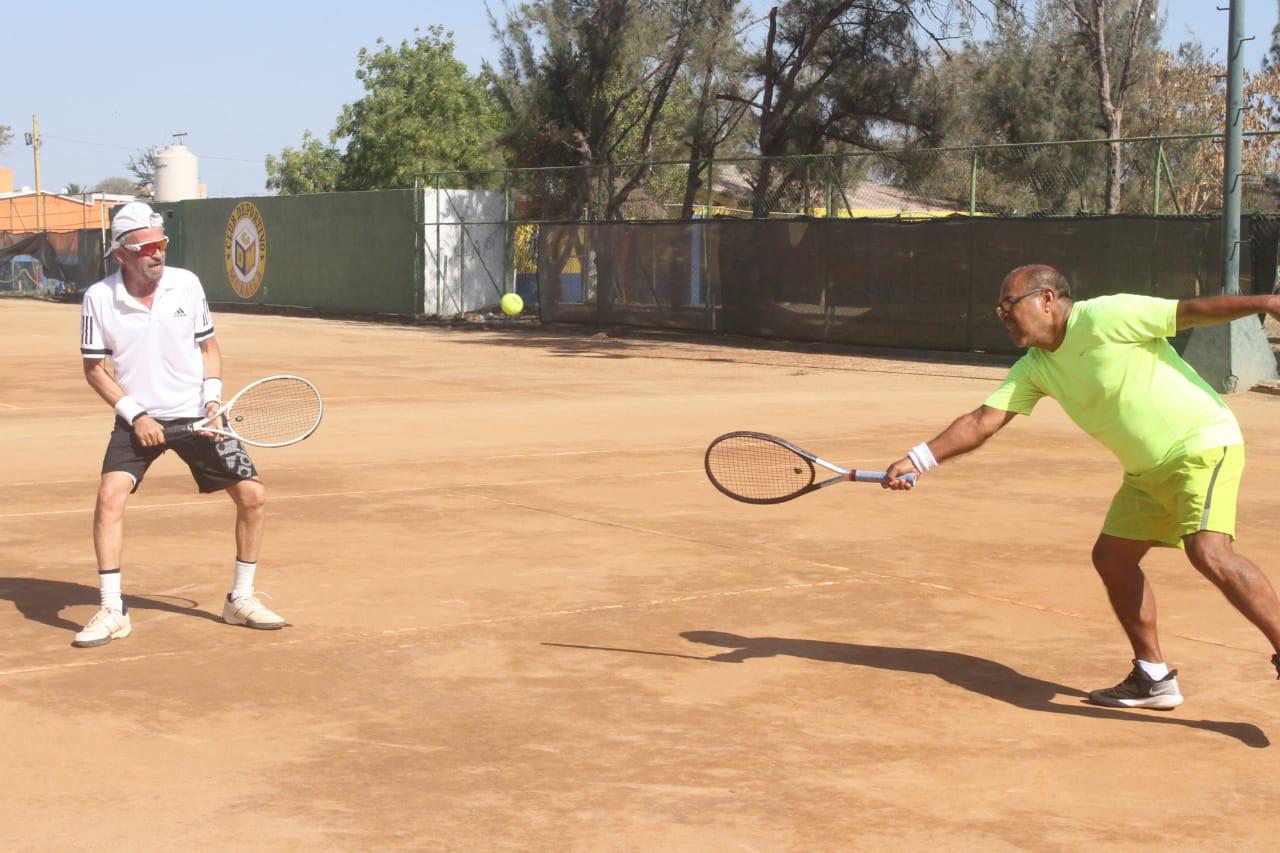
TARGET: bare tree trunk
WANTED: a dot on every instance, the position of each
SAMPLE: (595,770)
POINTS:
(1091,16)
(697,145)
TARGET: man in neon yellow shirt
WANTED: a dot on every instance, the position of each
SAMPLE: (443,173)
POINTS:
(1108,364)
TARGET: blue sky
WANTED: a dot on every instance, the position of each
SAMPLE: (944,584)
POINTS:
(245,80)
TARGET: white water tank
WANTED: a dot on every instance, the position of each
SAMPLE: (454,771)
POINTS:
(177,174)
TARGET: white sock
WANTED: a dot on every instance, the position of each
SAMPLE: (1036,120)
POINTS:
(109,589)
(243,586)
(1156,671)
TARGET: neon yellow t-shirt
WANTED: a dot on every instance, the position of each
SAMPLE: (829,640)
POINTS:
(1119,380)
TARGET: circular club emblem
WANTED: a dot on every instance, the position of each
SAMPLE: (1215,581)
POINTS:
(245,249)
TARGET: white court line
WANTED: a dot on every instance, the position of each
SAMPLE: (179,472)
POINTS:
(358,636)
(863,576)
(881,576)
(75,407)
(401,464)
(398,465)
(355,636)
(403,490)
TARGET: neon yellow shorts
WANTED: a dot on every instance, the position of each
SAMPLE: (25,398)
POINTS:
(1183,495)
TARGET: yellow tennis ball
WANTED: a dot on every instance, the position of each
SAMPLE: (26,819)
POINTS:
(512,304)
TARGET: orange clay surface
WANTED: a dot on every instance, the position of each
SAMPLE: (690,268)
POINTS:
(522,619)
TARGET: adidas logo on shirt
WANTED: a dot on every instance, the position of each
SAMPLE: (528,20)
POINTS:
(179,312)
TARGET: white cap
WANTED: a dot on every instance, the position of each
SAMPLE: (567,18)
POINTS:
(131,217)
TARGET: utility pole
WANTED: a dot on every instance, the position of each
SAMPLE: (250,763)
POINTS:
(1235,356)
(1231,167)
(33,139)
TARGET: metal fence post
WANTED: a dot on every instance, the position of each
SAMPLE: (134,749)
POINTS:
(1155,197)
(831,177)
(439,280)
(973,183)
(710,291)
(508,234)
(711,179)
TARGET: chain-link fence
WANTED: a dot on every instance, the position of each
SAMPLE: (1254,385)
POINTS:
(1147,176)
(1157,175)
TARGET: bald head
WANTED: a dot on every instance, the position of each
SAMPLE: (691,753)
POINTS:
(1032,276)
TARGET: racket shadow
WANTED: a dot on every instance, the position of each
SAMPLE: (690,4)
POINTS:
(43,601)
(975,674)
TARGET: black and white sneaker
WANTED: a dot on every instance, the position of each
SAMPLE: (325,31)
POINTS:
(1140,690)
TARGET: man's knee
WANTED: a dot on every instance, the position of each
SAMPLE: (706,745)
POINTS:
(249,494)
(1108,560)
(1210,554)
(113,492)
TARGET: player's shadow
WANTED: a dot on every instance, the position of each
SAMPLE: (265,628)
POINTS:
(43,601)
(975,674)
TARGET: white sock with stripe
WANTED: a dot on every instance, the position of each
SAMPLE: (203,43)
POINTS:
(109,589)
(243,585)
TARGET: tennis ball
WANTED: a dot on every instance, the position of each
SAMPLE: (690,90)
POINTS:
(512,304)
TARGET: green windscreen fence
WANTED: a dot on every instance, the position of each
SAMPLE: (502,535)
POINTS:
(333,252)
(919,285)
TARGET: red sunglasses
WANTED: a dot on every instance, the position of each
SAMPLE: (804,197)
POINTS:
(148,248)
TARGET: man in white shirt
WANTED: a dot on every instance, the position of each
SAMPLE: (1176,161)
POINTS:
(153,323)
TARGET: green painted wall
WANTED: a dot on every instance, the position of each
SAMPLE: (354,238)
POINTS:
(343,252)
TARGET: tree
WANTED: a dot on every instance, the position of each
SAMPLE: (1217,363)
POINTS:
(74,189)
(589,85)
(717,67)
(116,186)
(142,165)
(833,71)
(1117,67)
(313,167)
(6,136)
(1273,57)
(1026,83)
(421,113)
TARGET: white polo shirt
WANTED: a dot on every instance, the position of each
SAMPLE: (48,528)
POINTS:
(156,350)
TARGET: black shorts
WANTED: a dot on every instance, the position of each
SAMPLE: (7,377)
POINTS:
(215,462)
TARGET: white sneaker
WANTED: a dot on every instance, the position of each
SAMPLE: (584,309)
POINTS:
(251,613)
(105,626)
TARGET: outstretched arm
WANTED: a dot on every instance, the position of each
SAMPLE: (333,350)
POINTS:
(1212,310)
(967,432)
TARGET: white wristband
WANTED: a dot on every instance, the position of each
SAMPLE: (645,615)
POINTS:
(129,409)
(922,457)
(211,390)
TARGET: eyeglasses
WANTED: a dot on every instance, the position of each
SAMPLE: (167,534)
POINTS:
(148,248)
(1006,305)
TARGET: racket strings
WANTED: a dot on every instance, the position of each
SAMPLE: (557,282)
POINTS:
(758,469)
(275,411)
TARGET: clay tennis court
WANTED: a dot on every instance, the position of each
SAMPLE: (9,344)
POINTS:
(522,619)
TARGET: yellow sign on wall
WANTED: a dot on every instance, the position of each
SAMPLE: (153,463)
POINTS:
(245,249)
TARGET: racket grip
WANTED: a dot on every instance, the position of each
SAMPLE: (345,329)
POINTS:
(878,477)
(178,432)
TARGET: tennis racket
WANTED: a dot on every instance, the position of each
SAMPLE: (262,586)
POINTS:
(756,468)
(271,412)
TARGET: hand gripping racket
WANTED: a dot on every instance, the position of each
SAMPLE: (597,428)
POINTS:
(756,468)
(271,412)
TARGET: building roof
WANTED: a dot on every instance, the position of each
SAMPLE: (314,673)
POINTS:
(26,211)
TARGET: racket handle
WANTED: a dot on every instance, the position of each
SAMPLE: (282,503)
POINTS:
(878,477)
(178,432)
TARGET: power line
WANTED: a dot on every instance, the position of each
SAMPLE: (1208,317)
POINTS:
(128,148)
